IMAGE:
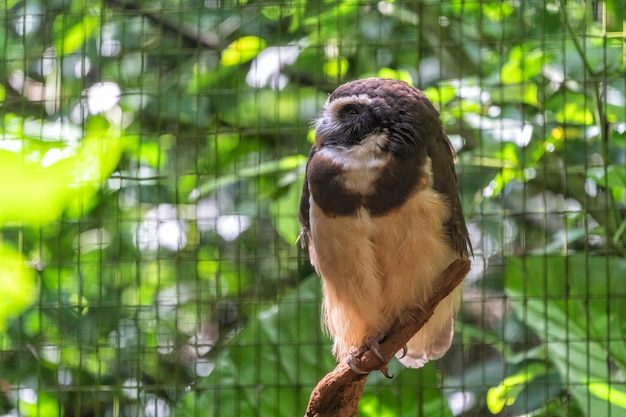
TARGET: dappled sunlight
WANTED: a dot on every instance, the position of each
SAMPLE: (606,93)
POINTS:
(102,97)
(267,66)
(230,226)
(161,227)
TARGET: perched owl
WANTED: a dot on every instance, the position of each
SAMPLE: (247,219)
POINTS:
(381,216)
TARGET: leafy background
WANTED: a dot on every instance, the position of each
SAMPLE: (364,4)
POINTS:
(151,157)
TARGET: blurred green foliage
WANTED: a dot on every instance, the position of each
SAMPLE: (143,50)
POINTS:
(151,158)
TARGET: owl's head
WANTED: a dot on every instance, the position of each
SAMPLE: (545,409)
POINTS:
(378,107)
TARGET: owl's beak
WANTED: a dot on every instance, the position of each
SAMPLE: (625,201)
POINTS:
(328,133)
(319,139)
(322,131)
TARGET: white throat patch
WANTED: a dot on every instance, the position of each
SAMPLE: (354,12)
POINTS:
(362,163)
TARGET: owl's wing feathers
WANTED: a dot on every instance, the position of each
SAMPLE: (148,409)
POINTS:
(304,199)
(442,156)
(304,238)
(444,181)
(411,102)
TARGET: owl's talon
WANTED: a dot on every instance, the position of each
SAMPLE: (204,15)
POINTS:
(372,344)
(385,371)
(350,361)
(405,350)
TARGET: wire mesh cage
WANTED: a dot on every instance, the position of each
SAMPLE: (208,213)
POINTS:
(152,157)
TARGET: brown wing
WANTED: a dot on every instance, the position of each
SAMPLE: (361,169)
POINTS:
(305,198)
(442,156)
(305,206)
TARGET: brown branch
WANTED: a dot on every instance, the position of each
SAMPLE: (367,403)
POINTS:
(339,392)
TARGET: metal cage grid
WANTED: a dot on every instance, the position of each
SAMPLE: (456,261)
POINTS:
(151,163)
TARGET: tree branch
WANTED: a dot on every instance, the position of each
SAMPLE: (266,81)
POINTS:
(339,392)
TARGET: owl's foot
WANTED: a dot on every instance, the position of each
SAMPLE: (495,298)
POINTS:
(404,351)
(372,345)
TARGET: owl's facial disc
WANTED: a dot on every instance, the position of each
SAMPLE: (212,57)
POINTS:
(346,122)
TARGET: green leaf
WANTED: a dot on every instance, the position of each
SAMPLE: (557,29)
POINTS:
(441,95)
(411,392)
(242,50)
(522,65)
(608,393)
(38,187)
(71,39)
(332,22)
(18,284)
(269,109)
(266,168)
(574,113)
(43,404)
(401,74)
(299,8)
(497,11)
(336,68)
(275,12)
(284,211)
(509,389)
(577,306)
(29,192)
(96,160)
(612,177)
(526,93)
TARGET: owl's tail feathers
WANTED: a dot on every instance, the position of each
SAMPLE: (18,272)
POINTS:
(426,345)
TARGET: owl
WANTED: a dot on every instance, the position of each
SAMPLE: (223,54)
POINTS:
(381,216)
